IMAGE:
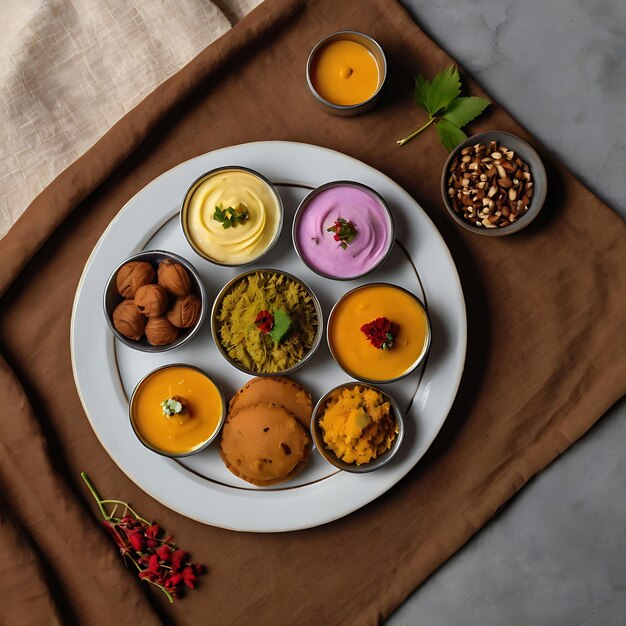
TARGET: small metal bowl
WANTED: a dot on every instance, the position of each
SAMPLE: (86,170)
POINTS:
(528,155)
(147,444)
(112,298)
(215,328)
(343,183)
(413,367)
(185,207)
(329,455)
(361,107)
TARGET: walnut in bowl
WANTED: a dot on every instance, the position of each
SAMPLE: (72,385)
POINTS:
(154,301)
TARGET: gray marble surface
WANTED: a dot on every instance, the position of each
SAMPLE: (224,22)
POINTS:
(556,555)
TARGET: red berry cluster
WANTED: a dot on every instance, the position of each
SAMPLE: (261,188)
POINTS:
(381,332)
(264,321)
(155,556)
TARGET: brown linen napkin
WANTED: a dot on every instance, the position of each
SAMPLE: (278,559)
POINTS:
(545,356)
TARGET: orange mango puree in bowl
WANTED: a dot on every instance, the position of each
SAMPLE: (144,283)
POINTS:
(345,72)
(191,418)
(396,354)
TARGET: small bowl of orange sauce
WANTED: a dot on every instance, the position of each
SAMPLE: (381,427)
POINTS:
(346,72)
(378,333)
(177,410)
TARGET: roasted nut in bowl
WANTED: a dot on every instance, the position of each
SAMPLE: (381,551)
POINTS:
(493,184)
(266,322)
(378,333)
(357,427)
(343,230)
(154,319)
(232,216)
(177,410)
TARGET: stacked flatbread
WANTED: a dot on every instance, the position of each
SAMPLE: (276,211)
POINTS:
(266,439)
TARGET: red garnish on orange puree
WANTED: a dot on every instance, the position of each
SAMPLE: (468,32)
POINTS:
(381,332)
(264,321)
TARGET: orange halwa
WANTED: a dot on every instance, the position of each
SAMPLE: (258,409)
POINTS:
(357,424)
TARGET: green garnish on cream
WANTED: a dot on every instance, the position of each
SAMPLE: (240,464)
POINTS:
(231,216)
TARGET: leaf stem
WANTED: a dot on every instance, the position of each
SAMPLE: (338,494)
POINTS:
(416,132)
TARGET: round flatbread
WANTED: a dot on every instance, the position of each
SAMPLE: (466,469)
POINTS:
(264,444)
(275,390)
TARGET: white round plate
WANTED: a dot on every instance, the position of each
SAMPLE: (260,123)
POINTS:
(200,486)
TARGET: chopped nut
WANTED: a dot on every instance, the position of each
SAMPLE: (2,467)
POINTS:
(491,183)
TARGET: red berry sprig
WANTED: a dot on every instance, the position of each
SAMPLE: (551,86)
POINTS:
(145,544)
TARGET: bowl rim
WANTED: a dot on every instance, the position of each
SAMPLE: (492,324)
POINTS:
(214,330)
(336,183)
(330,457)
(419,360)
(204,444)
(538,170)
(148,348)
(382,69)
(185,204)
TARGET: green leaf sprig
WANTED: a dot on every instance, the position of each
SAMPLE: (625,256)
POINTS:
(230,217)
(446,109)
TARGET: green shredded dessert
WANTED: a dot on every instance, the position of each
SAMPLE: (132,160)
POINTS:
(247,341)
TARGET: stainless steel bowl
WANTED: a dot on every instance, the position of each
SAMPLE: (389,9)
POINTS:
(527,154)
(419,360)
(339,183)
(329,455)
(191,191)
(353,109)
(147,444)
(112,298)
(215,327)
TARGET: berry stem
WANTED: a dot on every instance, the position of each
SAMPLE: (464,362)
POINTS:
(94,493)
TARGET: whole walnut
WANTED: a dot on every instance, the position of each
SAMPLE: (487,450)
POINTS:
(174,278)
(185,312)
(159,331)
(133,275)
(128,320)
(151,300)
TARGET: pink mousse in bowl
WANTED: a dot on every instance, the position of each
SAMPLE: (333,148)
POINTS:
(343,230)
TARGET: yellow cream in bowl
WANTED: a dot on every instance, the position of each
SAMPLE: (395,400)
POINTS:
(237,193)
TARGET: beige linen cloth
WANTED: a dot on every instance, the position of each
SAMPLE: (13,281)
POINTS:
(70,69)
